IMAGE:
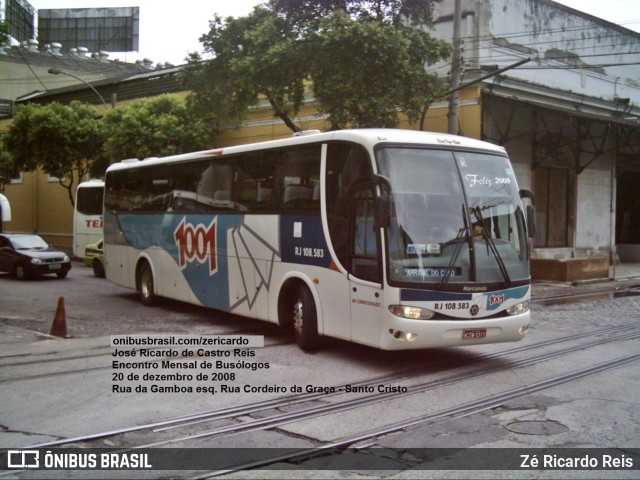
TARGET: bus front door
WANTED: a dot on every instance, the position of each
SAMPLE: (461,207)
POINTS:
(365,276)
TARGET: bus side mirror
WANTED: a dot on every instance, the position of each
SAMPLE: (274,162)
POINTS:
(383,201)
(531,211)
(524,193)
(383,210)
(531,221)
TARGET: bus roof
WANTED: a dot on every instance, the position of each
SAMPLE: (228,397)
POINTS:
(94,182)
(367,137)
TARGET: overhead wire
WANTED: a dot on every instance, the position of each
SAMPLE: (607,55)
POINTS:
(529,32)
(470,40)
(512,35)
(508,36)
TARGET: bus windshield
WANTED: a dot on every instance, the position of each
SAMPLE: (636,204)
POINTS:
(456,217)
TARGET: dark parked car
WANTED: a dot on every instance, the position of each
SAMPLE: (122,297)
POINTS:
(29,255)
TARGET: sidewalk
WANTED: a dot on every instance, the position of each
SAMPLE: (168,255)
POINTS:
(626,276)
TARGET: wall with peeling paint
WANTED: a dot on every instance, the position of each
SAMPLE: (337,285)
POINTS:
(563,111)
(570,50)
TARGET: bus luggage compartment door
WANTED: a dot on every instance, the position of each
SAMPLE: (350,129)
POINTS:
(366,312)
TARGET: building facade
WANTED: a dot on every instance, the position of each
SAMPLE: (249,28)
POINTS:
(38,202)
(569,118)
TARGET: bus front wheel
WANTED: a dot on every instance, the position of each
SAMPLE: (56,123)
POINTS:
(145,286)
(305,320)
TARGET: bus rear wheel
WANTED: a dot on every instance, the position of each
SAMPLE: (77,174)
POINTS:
(305,320)
(145,285)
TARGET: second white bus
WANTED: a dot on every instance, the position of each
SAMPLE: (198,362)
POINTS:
(87,215)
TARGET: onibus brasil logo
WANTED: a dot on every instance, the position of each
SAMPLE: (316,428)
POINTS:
(196,243)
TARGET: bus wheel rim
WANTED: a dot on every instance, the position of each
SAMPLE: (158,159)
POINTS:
(297,316)
(146,284)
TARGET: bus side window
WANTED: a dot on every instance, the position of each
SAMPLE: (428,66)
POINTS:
(213,185)
(252,182)
(299,179)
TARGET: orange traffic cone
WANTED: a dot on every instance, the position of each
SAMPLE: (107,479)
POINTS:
(59,326)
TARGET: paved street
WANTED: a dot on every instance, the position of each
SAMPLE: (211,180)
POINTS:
(541,392)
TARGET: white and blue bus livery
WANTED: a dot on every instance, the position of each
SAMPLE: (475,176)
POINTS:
(390,238)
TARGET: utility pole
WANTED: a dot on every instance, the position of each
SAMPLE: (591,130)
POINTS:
(452,116)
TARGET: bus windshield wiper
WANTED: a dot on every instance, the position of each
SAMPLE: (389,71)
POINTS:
(463,234)
(477,211)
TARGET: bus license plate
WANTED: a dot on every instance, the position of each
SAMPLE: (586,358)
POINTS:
(55,266)
(474,333)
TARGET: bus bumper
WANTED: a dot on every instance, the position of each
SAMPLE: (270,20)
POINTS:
(405,334)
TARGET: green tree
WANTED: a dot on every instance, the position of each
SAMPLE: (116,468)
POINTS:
(252,57)
(8,167)
(63,140)
(4,33)
(364,59)
(366,71)
(152,127)
(307,15)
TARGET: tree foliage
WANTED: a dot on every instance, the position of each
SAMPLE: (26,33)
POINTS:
(152,127)
(4,33)
(365,61)
(364,72)
(63,140)
(71,141)
(8,168)
(306,15)
(253,57)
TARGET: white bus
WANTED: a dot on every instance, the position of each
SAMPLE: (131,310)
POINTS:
(390,238)
(5,211)
(87,215)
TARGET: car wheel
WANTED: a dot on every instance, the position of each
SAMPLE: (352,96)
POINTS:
(305,320)
(21,273)
(62,274)
(146,287)
(98,269)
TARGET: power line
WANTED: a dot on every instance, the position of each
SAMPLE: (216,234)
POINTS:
(508,58)
(529,33)
(563,41)
(580,67)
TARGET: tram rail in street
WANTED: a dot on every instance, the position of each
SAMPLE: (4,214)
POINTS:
(240,412)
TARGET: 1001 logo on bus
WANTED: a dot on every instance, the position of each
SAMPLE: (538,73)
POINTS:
(196,242)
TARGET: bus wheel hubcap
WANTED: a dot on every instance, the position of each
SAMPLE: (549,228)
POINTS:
(146,285)
(297,316)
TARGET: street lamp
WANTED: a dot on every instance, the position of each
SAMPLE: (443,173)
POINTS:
(55,71)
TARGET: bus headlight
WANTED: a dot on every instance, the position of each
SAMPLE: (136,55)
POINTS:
(412,313)
(518,308)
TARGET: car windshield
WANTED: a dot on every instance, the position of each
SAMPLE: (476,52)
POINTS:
(456,217)
(28,242)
